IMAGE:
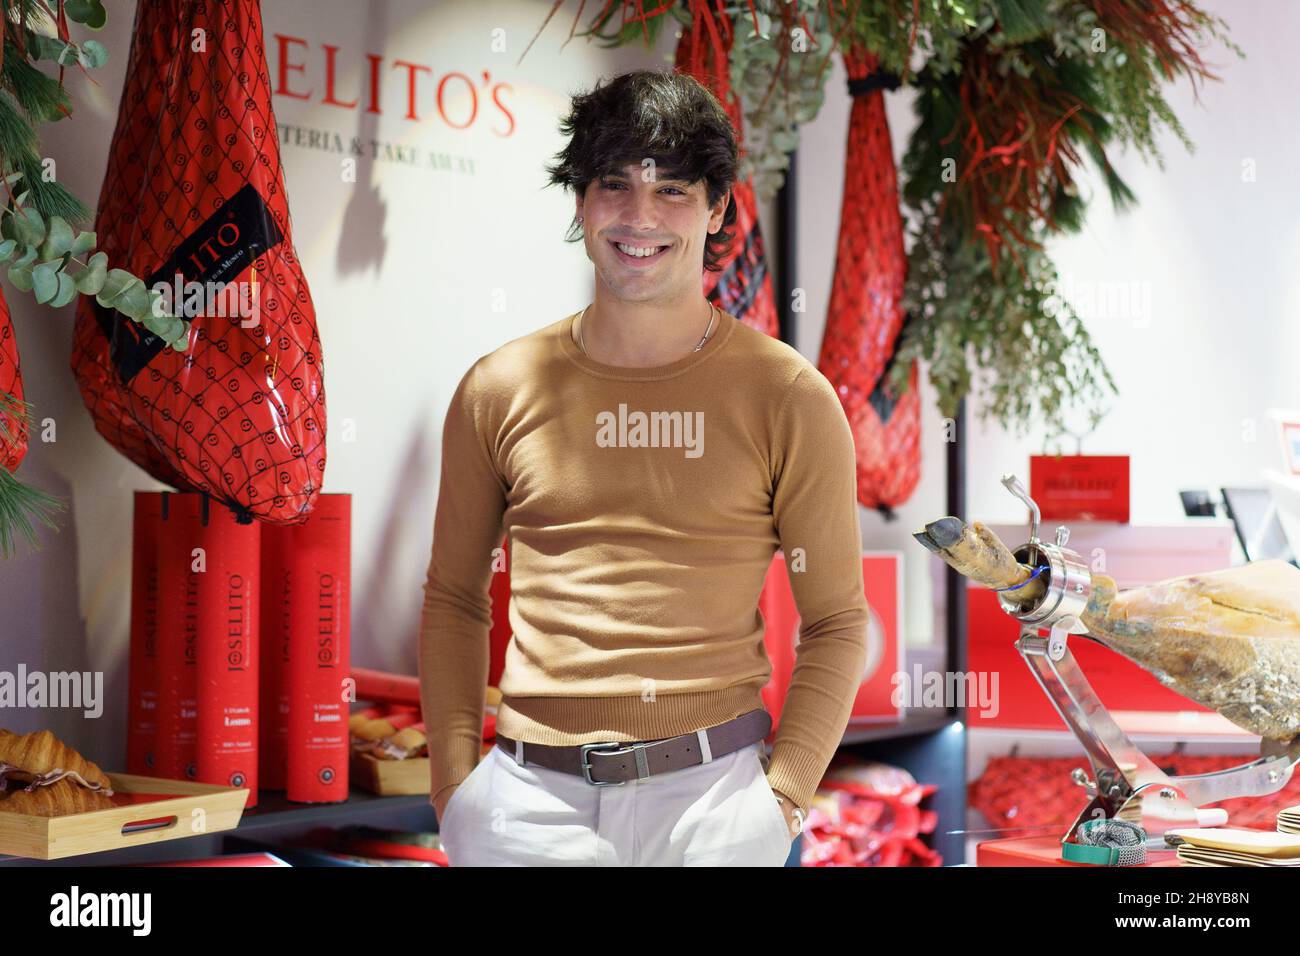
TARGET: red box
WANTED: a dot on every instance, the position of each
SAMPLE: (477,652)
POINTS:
(226,652)
(882,583)
(1080,487)
(142,671)
(991,648)
(1046,851)
(319,665)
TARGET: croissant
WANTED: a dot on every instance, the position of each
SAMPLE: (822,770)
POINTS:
(369,732)
(41,775)
(407,742)
(362,717)
(366,733)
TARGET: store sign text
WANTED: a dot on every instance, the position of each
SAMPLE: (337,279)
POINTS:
(454,98)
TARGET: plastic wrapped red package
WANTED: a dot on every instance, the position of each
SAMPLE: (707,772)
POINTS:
(386,687)
(743,287)
(869,814)
(13,424)
(866,312)
(194,200)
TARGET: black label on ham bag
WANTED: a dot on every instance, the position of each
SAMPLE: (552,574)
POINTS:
(217,251)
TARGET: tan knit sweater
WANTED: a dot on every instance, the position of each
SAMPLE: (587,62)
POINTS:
(643,507)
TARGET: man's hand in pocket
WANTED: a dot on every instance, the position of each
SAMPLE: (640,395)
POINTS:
(792,824)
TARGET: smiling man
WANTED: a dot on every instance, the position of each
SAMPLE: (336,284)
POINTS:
(631,726)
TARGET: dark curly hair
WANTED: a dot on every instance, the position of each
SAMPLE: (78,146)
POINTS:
(669,117)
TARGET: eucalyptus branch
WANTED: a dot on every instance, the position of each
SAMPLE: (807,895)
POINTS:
(39,252)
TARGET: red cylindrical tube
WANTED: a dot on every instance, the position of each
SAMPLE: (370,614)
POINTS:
(142,668)
(273,718)
(383,686)
(227,649)
(178,580)
(396,719)
(319,589)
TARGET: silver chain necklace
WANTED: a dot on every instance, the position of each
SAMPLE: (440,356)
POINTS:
(713,311)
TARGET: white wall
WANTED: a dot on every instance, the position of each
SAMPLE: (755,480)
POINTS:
(1214,255)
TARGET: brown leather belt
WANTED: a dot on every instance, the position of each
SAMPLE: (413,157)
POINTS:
(602,766)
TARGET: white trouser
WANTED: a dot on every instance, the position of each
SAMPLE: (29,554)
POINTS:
(718,813)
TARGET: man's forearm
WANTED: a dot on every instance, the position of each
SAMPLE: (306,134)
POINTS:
(827,672)
(454,659)
(456,616)
(816,512)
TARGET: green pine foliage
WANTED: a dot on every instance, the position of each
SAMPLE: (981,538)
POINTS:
(973,304)
(22,507)
(45,251)
(1060,84)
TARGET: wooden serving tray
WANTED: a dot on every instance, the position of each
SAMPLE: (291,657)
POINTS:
(394,778)
(390,778)
(151,810)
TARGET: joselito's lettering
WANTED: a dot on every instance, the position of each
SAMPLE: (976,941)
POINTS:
(286,618)
(151,614)
(191,617)
(325,621)
(302,76)
(236,658)
(227,236)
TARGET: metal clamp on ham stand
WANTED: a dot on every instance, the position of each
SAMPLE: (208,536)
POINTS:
(1125,784)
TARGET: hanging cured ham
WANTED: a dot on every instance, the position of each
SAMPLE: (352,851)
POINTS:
(1228,639)
(866,313)
(194,198)
(96,328)
(744,286)
(13,424)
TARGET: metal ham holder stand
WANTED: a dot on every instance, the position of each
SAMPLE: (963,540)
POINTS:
(1125,785)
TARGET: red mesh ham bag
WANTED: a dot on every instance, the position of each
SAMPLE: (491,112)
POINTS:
(866,313)
(744,285)
(1038,791)
(194,188)
(13,424)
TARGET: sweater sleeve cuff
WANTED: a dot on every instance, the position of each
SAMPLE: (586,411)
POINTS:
(795,775)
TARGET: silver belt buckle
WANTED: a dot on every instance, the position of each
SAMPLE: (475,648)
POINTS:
(586,767)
